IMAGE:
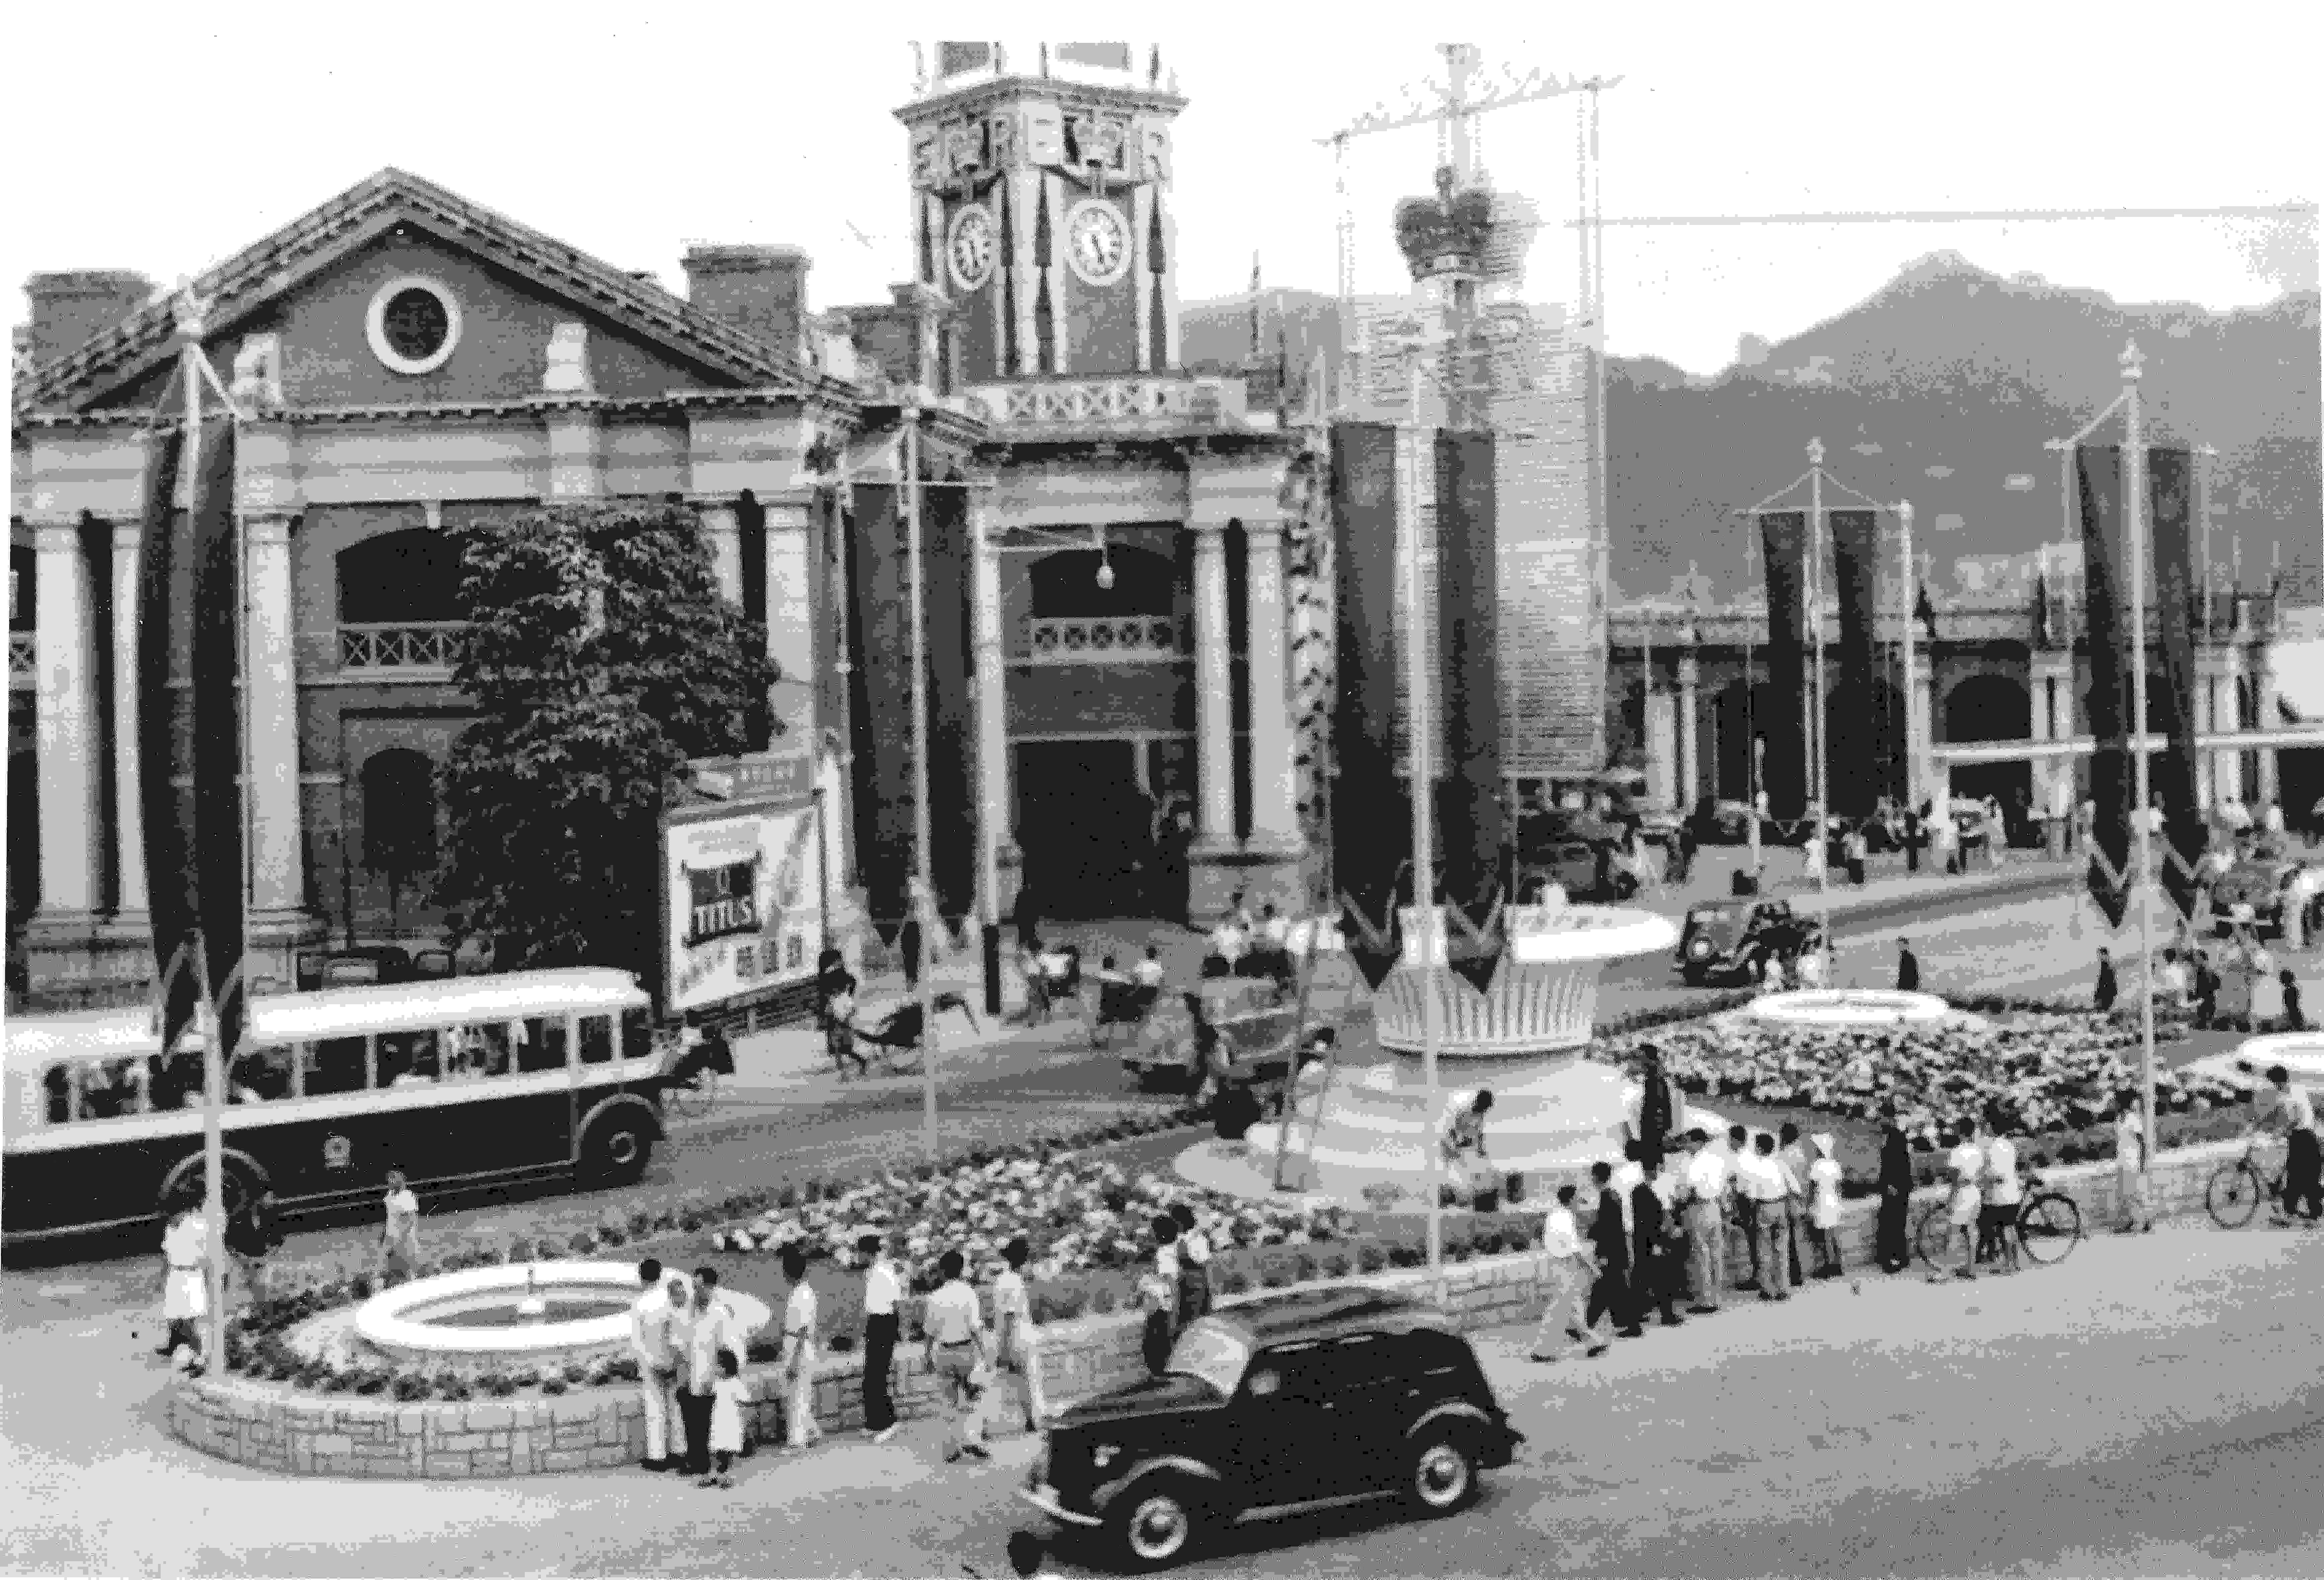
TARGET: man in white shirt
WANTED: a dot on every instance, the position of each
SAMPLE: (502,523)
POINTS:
(956,1354)
(798,1353)
(649,1337)
(1567,1271)
(881,1290)
(1018,1339)
(185,1292)
(2291,1109)
(1705,1212)
(1740,1214)
(1765,1193)
(1148,973)
(2273,819)
(707,1327)
(1628,1175)
(1967,1162)
(1462,1142)
(2130,1165)
(2004,1193)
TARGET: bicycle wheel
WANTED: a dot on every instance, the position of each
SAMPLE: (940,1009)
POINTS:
(1932,1232)
(2234,1195)
(2048,1226)
(694,1096)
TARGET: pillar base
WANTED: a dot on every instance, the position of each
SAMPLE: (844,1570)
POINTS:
(80,960)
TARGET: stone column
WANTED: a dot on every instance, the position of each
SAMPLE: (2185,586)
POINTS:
(722,532)
(1213,694)
(1921,751)
(2227,719)
(129,820)
(791,611)
(2264,682)
(1274,778)
(270,697)
(66,739)
(995,830)
(1689,763)
(2204,788)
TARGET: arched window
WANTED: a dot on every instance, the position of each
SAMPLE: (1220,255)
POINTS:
(399,816)
(398,578)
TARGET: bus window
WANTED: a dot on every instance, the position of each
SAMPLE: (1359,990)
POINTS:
(58,1084)
(543,1045)
(637,1033)
(176,1081)
(479,1051)
(336,1066)
(113,1089)
(262,1076)
(409,1059)
(596,1038)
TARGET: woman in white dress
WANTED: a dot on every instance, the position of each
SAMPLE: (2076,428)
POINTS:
(1823,1207)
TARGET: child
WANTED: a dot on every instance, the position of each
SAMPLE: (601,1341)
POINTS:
(727,1397)
(399,1241)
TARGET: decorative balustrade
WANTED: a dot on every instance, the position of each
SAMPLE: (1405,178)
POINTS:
(1129,400)
(413,645)
(23,666)
(1116,639)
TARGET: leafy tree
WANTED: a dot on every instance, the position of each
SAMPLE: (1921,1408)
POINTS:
(601,658)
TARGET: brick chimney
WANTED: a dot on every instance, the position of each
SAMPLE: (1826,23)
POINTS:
(68,308)
(761,291)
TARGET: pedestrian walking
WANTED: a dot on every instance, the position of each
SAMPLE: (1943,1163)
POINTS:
(2290,1108)
(2130,1166)
(1966,1160)
(1706,1222)
(1891,1247)
(1651,1279)
(1908,967)
(1566,1273)
(1767,1196)
(1018,1337)
(882,1327)
(1823,1208)
(956,1356)
(2005,1193)
(1792,1159)
(651,1315)
(255,1236)
(1660,1102)
(2293,1020)
(707,1328)
(2102,996)
(1194,1291)
(399,1240)
(728,1395)
(1741,1215)
(185,1282)
(1610,1293)
(834,992)
(798,1353)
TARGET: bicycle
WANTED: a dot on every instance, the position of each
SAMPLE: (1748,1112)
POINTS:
(2236,1189)
(2048,1226)
(693,1087)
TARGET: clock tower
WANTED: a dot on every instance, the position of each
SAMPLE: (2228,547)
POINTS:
(1041,205)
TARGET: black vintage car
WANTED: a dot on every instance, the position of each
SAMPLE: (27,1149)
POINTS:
(1727,942)
(1271,1407)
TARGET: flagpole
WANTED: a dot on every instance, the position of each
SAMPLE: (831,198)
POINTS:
(2133,473)
(922,908)
(1420,751)
(1751,755)
(1822,713)
(1912,697)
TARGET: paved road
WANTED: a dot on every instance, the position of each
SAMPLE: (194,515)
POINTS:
(2151,1406)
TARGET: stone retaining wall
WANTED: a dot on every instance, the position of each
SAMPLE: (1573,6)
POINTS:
(273,1426)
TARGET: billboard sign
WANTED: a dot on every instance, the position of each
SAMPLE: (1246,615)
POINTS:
(743,885)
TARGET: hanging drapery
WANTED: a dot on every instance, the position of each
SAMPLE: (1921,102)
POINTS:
(1784,725)
(217,739)
(952,753)
(168,864)
(1368,800)
(1863,752)
(2170,774)
(879,636)
(2105,560)
(1471,813)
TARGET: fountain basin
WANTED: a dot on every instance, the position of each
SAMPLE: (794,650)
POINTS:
(475,1320)
(2300,1053)
(1833,1007)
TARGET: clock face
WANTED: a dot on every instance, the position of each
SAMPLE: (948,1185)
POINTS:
(971,248)
(1098,243)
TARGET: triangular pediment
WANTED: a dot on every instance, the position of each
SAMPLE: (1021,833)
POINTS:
(654,335)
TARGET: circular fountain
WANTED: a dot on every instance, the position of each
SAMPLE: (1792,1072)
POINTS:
(539,1315)
(2300,1053)
(1853,1008)
(1522,1035)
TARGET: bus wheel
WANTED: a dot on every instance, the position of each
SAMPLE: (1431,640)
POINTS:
(615,1149)
(187,1187)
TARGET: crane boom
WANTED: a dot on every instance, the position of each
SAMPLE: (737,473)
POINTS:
(1537,86)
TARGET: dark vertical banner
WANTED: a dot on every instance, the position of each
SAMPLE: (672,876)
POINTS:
(1864,749)
(169,865)
(951,735)
(2106,561)
(217,749)
(1471,830)
(2170,776)
(1783,536)
(1368,805)
(879,643)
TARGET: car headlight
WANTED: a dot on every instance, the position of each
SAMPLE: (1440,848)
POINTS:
(1103,1455)
(1698,949)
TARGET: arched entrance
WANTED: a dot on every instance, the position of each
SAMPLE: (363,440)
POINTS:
(1990,708)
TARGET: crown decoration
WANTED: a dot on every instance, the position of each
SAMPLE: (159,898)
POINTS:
(1447,233)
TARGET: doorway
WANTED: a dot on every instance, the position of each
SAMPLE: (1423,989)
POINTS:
(1087,829)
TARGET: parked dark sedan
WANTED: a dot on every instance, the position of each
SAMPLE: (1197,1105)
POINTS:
(1727,942)
(1273,1407)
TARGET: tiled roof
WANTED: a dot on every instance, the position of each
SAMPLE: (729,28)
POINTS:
(242,281)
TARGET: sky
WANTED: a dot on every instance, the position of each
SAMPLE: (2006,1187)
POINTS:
(630,132)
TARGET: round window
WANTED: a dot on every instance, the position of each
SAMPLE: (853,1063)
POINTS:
(413,325)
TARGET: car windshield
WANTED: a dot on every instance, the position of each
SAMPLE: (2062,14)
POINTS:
(1212,1352)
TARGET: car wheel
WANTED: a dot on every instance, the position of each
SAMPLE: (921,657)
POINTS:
(1441,1477)
(1152,1524)
(615,1150)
